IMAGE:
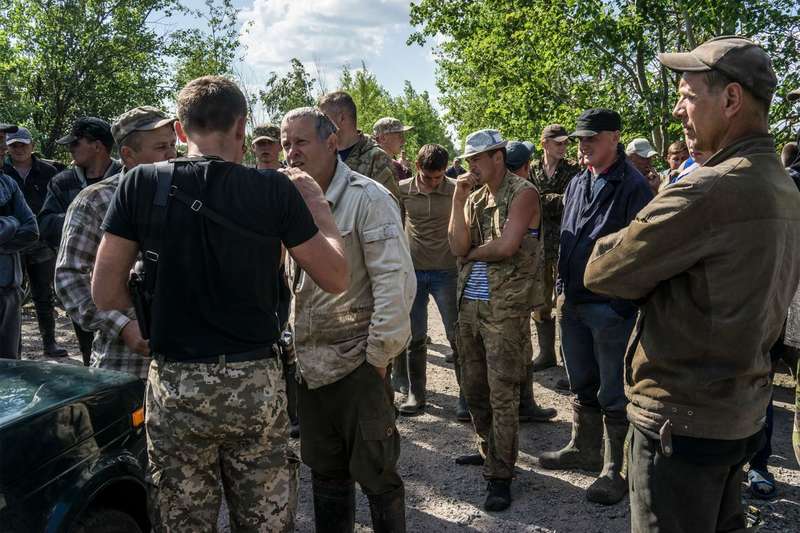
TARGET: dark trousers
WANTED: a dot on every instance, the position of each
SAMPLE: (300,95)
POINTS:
(85,339)
(673,495)
(40,277)
(348,431)
(10,322)
(594,338)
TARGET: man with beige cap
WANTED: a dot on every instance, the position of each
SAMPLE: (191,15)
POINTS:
(390,134)
(713,262)
(640,153)
(144,135)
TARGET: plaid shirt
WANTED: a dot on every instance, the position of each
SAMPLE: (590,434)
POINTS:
(80,239)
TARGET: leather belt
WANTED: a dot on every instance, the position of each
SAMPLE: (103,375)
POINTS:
(242,357)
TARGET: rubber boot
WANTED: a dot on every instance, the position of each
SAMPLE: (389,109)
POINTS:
(610,487)
(47,328)
(462,410)
(400,373)
(417,379)
(388,511)
(546,336)
(528,410)
(583,451)
(334,504)
(289,371)
(499,497)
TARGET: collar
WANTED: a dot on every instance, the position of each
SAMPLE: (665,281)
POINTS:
(339,182)
(443,187)
(743,147)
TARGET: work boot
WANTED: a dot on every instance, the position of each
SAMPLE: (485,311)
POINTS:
(334,504)
(388,511)
(610,487)
(47,328)
(417,379)
(528,410)
(499,497)
(562,384)
(400,373)
(583,450)
(546,336)
(471,459)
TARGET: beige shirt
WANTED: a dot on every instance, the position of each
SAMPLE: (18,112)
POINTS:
(336,333)
(427,217)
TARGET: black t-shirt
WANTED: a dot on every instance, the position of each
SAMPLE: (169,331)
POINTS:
(216,290)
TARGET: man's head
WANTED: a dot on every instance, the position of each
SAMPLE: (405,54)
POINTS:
(789,154)
(212,107)
(88,141)
(390,134)
(518,157)
(554,141)
(5,129)
(20,146)
(598,132)
(485,153)
(725,90)
(341,109)
(267,146)
(641,153)
(431,164)
(677,153)
(144,135)
(457,162)
(308,137)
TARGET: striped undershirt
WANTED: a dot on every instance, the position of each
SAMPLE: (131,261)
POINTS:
(477,286)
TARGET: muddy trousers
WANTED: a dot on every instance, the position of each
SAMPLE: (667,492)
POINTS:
(493,356)
(212,425)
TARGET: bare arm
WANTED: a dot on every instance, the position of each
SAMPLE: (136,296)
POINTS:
(523,213)
(458,231)
(115,257)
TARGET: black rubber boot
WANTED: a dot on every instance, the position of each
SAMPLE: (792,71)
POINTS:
(388,511)
(417,379)
(546,337)
(47,328)
(610,487)
(583,450)
(289,376)
(529,411)
(471,459)
(499,497)
(462,410)
(400,373)
(334,504)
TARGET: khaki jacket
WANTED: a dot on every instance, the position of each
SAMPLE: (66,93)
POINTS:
(714,260)
(367,158)
(335,333)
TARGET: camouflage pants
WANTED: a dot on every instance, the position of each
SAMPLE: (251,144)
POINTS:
(493,356)
(209,425)
(545,311)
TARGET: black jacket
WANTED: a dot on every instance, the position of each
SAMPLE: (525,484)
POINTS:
(34,186)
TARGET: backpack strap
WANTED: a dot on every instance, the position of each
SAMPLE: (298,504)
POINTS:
(157,225)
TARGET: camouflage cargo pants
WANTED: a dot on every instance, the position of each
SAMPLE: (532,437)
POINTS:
(209,425)
(493,356)
(545,311)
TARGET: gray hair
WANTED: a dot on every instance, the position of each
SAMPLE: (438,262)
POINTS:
(322,124)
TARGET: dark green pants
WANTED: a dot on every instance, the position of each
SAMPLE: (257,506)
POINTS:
(348,431)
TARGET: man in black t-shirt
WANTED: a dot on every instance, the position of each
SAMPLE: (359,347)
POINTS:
(216,403)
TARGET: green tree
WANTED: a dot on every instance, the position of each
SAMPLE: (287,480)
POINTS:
(284,93)
(518,65)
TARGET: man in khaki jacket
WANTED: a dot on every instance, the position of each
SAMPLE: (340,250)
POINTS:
(714,260)
(344,342)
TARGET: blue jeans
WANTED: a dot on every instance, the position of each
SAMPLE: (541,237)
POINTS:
(594,338)
(441,284)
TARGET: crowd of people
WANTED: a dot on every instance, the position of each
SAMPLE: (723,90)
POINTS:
(291,299)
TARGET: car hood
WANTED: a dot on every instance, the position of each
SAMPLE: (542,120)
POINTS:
(28,388)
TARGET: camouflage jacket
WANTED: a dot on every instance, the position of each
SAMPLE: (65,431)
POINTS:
(552,193)
(515,284)
(367,158)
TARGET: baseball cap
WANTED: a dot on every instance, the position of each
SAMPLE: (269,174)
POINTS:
(482,141)
(7,128)
(555,132)
(144,118)
(91,127)
(739,58)
(389,125)
(22,135)
(518,153)
(793,95)
(266,133)
(593,121)
(641,147)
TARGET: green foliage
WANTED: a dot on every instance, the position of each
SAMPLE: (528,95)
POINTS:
(518,65)
(284,93)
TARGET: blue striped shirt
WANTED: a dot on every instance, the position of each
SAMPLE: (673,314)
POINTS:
(477,286)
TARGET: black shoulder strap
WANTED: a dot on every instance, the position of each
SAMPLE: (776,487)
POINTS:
(157,225)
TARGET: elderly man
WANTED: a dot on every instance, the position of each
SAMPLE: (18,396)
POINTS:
(550,175)
(358,151)
(494,230)
(698,367)
(266,146)
(344,342)
(144,135)
(595,328)
(390,135)
(640,153)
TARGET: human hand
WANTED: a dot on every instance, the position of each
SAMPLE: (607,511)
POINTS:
(464,185)
(132,337)
(309,189)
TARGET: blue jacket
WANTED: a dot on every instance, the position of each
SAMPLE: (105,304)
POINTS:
(17,230)
(583,222)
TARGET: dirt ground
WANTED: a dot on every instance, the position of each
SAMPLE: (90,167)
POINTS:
(443,497)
